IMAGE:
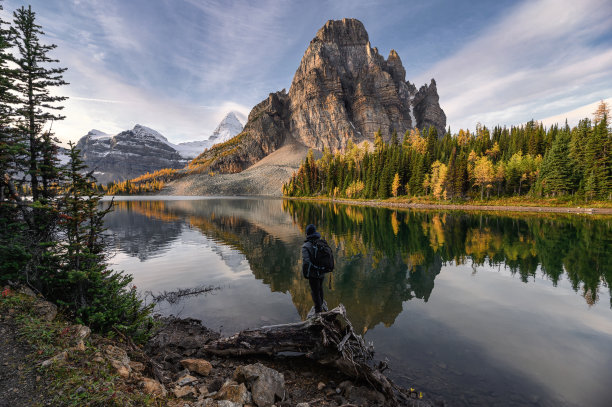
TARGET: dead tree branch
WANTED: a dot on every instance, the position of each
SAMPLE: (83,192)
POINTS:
(327,338)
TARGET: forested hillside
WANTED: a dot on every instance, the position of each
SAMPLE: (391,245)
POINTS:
(500,162)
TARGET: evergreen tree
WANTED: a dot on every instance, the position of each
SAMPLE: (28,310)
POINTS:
(432,141)
(451,175)
(33,87)
(12,150)
(99,297)
(13,212)
(556,176)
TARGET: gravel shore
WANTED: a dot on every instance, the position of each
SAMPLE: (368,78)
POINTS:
(265,178)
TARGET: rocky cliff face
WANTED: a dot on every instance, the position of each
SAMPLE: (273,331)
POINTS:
(343,90)
(266,130)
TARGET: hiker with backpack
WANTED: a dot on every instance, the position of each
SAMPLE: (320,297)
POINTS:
(317,259)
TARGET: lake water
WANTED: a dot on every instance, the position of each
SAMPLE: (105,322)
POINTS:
(477,308)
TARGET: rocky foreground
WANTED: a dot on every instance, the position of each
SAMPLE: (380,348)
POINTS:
(47,361)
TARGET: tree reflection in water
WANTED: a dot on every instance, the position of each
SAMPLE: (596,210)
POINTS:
(385,257)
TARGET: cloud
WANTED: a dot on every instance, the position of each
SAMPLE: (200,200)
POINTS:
(574,116)
(521,67)
(115,106)
(126,68)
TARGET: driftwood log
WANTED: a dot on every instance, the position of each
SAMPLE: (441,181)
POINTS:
(327,338)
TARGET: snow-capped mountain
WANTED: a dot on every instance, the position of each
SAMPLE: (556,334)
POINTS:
(134,152)
(128,154)
(231,125)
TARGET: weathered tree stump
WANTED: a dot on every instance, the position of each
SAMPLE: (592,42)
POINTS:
(327,338)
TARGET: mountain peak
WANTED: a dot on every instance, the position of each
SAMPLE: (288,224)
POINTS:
(141,130)
(394,62)
(230,126)
(233,117)
(97,134)
(348,31)
(343,90)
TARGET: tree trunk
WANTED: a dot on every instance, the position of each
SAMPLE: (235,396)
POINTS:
(327,338)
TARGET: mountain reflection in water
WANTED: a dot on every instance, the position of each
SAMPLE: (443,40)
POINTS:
(385,258)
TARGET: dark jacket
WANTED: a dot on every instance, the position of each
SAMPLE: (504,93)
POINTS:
(308,270)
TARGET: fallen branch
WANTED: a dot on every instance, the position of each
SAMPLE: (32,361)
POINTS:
(327,338)
(172,297)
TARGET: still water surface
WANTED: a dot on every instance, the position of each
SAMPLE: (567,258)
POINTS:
(477,308)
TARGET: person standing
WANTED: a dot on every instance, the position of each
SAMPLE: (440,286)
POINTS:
(317,259)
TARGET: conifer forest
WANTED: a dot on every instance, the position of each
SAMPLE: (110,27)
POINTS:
(529,160)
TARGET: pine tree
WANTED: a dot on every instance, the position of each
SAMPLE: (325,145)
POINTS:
(33,87)
(556,175)
(99,297)
(14,215)
(451,175)
(432,140)
(12,150)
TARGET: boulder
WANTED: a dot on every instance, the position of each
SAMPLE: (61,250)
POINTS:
(45,310)
(218,403)
(199,366)
(185,380)
(266,384)
(345,387)
(78,335)
(137,366)
(153,387)
(118,359)
(59,358)
(80,332)
(234,392)
(184,391)
(25,290)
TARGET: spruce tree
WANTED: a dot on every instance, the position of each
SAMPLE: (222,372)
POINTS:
(12,150)
(36,104)
(556,175)
(14,215)
(99,297)
(451,175)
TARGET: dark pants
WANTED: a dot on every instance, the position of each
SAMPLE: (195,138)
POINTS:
(316,290)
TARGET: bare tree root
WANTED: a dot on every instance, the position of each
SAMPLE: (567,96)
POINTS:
(327,338)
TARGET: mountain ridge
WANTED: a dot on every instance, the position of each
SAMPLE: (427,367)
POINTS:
(134,152)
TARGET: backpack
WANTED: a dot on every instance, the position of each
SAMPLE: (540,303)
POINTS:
(322,256)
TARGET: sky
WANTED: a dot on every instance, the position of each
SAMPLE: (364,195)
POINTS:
(179,66)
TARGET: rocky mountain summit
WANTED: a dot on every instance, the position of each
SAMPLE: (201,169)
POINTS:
(128,154)
(140,150)
(342,90)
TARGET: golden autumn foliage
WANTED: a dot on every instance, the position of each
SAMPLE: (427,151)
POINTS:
(417,142)
(146,183)
(395,186)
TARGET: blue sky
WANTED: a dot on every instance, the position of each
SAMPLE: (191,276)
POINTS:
(179,65)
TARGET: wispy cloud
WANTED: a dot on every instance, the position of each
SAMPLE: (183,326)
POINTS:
(521,67)
(574,116)
(179,66)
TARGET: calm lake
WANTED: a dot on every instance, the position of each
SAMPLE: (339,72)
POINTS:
(477,308)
